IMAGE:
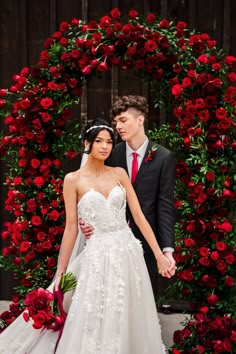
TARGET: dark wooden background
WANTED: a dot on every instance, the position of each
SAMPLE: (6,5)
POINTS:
(25,24)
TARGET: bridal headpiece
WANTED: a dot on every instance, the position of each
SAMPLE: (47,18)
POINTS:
(99,126)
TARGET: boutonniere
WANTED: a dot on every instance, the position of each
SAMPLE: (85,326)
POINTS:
(151,153)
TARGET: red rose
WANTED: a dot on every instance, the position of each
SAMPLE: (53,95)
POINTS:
(175,351)
(204,251)
(215,255)
(36,220)
(105,22)
(219,347)
(25,245)
(204,261)
(230,60)
(41,236)
(102,67)
(24,104)
(186,275)
(40,319)
(191,226)
(188,242)
(201,198)
(3,92)
(133,14)
(178,337)
(227,345)
(221,113)
(212,299)
(150,46)
(115,13)
(46,103)
(176,90)
(51,262)
(151,18)
(210,176)
(221,265)
(54,215)
(230,259)
(46,117)
(86,70)
(221,246)
(164,24)
(65,57)
(39,181)
(57,163)
(64,26)
(50,273)
(46,245)
(229,281)
(70,154)
(17,181)
(31,205)
(204,309)
(35,163)
(127,29)
(200,349)
(225,227)
(233,336)
(186,82)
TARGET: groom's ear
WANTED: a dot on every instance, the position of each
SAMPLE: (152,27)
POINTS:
(141,119)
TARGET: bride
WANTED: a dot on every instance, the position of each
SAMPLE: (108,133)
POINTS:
(112,310)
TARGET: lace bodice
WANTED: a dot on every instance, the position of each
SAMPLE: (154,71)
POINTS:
(104,214)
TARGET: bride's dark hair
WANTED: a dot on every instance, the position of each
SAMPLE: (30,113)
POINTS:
(92,130)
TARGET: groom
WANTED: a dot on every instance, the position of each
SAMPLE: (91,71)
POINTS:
(152,172)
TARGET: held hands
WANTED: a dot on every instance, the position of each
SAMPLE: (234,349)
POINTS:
(173,267)
(166,265)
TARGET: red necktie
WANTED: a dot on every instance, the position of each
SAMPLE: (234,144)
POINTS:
(134,170)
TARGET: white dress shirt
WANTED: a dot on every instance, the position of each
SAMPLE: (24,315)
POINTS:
(129,159)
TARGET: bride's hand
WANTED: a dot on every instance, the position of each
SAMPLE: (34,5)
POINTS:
(163,264)
(57,283)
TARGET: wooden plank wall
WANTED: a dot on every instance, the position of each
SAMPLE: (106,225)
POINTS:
(25,24)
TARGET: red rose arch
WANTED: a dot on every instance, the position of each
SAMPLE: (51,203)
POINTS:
(186,72)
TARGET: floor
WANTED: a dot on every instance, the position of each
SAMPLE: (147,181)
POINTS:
(170,322)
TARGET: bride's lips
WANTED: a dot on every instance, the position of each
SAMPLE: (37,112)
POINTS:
(103,153)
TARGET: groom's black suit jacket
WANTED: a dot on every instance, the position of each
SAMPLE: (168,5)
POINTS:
(154,187)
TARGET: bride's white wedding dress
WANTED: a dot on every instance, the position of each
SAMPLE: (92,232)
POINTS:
(112,310)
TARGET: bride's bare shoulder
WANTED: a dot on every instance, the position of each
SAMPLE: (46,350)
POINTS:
(120,171)
(72,176)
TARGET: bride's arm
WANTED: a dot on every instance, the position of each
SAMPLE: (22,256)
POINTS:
(142,223)
(71,227)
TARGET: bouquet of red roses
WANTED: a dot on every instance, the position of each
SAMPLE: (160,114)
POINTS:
(45,308)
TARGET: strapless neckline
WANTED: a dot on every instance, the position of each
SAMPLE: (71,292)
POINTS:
(92,190)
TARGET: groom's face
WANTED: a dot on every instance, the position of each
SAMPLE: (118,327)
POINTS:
(129,124)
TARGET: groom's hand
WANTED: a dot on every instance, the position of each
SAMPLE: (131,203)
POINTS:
(172,268)
(86,229)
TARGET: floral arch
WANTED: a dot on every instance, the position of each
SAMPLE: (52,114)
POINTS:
(186,71)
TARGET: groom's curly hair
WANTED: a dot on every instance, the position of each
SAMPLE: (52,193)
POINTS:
(123,103)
